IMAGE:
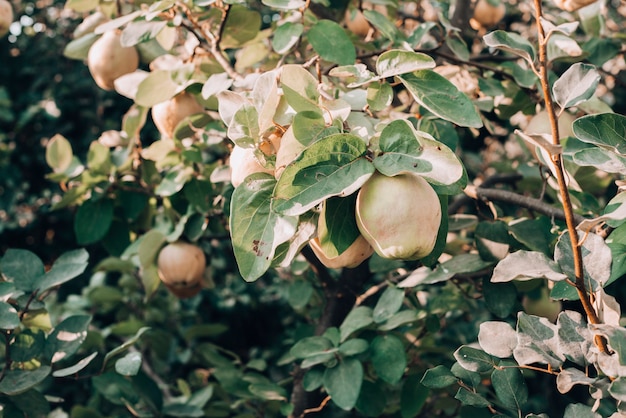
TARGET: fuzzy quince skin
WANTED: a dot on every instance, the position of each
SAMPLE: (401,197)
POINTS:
(399,216)
(181,268)
(6,17)
(168,114)
(242,163)
(108,60)
(359,251)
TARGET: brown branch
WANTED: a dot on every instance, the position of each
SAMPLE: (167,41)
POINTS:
(557,162)
(526,202)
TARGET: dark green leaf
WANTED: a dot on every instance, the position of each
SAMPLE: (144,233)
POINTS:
(413,396)
(22,267)
(358,318)
(438,377)
(510,386)
(473,359)
(17,381)
(93,220)
(312,346)
(67,337)
(389,303)
(353,347)
(68,266)
(343,383)
(471,398)
(388,358)
(500,298)
(372,400)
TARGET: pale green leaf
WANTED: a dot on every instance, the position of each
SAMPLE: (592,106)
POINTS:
(441,97)
(333,166)
(576,85)
(286,36)
(332,43)
(59,153)
(398,61)
(511,42)
(257,230)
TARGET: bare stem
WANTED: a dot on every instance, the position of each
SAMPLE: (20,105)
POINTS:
(557,161)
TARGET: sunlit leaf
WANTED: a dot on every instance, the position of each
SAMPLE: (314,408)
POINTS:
(576,85)
(441,97)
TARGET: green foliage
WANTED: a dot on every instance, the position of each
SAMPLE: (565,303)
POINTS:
(269,330)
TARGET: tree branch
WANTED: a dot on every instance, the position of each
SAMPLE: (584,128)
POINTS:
(560,176)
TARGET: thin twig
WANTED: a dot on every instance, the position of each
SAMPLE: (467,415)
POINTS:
(557,162)
(317,408)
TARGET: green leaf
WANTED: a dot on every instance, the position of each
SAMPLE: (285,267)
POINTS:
(242,25)
(72,370)
(405,149)
(526,265)
(358,318)
(313,379)
(343,383)
(59,153)
(382,23)
(68,266)
(388,358)
(467,397)
(245,124)
(157,87)
(139,31)
(606,130)
(398,61)
(510,386)
(32,402)
(285,4)
(337,228)
(78,49)
(576,85)
(311,346)
(256,229)
(511,42)
(597,259)
(442,98)
(413,396)
(115,388)
(67,337)
(537,341)
(27,344)
(8,316)
(372,400)
(401,318)
(389,303)
(331,42)
(473,359)
(578,410)
(438,377)
(129,364)
(379,96)
(500,298)
(308,126)
(300,88)
(93,220)
(353,347)
(268,391)
(22,267)
(17,381)
(333,166)
(125,345)
(286,36)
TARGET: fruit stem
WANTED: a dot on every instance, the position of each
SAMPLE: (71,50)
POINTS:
(557,162)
